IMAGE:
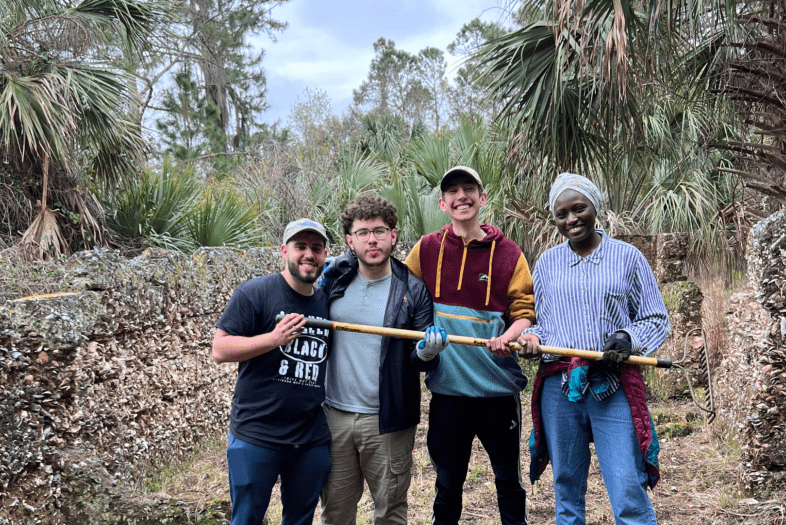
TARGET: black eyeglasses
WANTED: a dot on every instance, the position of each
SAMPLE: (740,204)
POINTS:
(380,233)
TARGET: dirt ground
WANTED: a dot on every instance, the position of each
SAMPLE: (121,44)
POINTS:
(698,483)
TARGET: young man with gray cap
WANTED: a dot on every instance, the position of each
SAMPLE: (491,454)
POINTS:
(481,287)
(277,425)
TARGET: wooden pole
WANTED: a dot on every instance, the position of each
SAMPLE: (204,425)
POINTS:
(473,341)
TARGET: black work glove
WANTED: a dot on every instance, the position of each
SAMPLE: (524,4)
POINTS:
(617,349)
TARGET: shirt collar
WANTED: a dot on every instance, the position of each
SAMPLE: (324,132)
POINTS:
(595,257)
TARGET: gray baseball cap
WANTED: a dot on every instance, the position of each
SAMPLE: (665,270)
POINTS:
(302,225)
(459,171)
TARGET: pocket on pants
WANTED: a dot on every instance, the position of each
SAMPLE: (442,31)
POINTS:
(400,445)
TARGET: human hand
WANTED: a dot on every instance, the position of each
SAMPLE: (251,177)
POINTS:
(434,341)
(327,271)
(616,350)
(288,329)
(499,346)
(530,345)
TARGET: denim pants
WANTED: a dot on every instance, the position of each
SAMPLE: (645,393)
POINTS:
(569,427)
(253,471)
(453,423)
(359,452)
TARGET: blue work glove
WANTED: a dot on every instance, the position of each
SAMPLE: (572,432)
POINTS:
(327,271)
(435,341)
(617,349)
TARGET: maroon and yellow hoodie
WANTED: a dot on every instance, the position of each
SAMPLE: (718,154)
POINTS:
(478,288)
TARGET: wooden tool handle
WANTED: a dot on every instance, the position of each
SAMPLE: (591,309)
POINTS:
(472,341)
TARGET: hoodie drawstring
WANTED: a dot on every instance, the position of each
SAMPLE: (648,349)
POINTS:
(461,271)
(488,283)
(439,264)
(463,262)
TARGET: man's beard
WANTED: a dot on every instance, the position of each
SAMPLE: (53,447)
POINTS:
(381,262)
(307,279)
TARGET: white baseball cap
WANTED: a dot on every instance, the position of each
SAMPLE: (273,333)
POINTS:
(303,225)
(459,171)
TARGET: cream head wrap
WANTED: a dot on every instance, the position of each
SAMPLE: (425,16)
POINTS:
(569,181)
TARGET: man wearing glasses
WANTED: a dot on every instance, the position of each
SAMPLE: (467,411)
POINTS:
(372,399)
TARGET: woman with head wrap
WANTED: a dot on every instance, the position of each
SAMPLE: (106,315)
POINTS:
(593,293)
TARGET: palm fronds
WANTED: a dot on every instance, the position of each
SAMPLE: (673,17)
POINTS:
(61,99)
(220,217)
(156,206)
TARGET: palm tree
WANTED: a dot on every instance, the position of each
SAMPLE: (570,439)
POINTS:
(631,94)
(64,106)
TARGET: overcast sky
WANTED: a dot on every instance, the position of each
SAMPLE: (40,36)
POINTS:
(329,44)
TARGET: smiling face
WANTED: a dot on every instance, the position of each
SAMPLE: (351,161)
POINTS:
(462,200)
(574,216)
(305,256)
(372,252)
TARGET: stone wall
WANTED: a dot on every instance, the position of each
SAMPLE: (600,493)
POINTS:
(752,377)
(113,376)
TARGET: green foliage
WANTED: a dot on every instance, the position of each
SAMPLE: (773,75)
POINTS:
(356,175)
(173,208)
(430,156)
(189,129)
(394,84)
(155,205)
(54,102)
(221,217)
(224,85)
(383,136)
(433,66)
(417,207)
(466,95)
(581,93)
(63,119)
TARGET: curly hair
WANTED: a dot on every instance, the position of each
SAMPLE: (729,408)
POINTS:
(369,206)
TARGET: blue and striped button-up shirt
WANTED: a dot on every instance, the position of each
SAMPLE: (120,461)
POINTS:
(579,301)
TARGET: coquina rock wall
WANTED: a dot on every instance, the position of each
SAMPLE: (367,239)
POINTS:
(752,377)
(112,376)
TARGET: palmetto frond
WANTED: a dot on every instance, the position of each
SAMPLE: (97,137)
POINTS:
(62,100)
(68,32)
(57,84)
(558,113)
(34,119)
(574,82)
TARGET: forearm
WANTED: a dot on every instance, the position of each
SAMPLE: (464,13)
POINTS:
(229,348)
(515,329)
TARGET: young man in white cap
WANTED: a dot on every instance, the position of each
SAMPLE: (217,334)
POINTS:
(481,287)
(277,425)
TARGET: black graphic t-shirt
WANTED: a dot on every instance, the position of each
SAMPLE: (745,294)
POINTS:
(278,397)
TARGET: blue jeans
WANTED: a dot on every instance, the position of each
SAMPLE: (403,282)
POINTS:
(253,471)
(569,428)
